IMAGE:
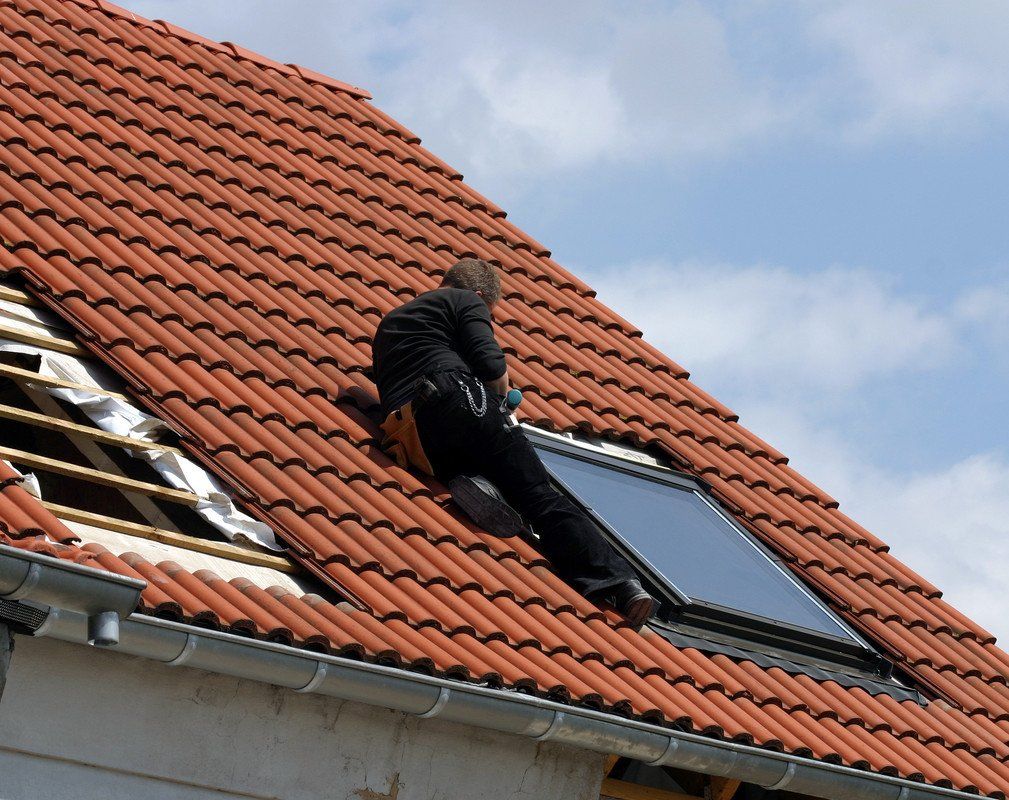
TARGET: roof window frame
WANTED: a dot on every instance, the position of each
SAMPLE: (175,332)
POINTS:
(680,614)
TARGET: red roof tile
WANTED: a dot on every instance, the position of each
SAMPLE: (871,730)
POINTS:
(226,232)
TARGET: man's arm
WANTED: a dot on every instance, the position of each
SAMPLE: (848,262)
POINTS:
(499,385)
(477,344)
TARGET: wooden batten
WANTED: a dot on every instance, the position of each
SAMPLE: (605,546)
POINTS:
(35,461)
(63,424)
(222,549)
(22,376)
(624,790)
(13,295)
(73,429)
(68,346)
(720,788)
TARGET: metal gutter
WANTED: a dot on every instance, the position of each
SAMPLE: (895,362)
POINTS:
(82,591)
(103,599)
(505,711)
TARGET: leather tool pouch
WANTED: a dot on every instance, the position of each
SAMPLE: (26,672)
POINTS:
(402,441)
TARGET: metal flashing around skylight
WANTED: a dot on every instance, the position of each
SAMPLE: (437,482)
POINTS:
(570,445)
(820,670)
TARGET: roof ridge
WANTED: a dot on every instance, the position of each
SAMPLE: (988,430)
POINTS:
(236,51)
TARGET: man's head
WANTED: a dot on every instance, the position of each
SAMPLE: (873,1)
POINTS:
(476,275)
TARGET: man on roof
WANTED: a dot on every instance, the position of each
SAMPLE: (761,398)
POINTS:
(442,378)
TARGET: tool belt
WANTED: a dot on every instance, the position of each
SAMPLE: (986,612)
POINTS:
(402,441)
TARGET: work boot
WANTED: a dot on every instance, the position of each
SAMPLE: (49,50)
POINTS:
(631,600)
(485,505)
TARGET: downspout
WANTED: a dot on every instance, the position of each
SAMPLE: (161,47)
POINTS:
(506,711)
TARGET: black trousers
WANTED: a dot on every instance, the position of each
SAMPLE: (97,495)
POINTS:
(459,441)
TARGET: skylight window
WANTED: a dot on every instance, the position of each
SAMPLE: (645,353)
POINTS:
(712,575)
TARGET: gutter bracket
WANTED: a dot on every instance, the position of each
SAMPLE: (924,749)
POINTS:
(317,678)
(670,749)
(186,652)
(555,723)
(31,579)
(786,779)
(439,704)
(53,618)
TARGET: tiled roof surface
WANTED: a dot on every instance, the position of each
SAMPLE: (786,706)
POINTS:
(226,232)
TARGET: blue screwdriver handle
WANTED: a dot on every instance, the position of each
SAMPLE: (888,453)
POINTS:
(511,400)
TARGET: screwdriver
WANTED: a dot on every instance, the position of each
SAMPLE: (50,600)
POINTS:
(511,401)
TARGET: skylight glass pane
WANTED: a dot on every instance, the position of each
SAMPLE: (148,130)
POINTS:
(690,544)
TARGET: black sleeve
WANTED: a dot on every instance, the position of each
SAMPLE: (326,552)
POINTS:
(477,344)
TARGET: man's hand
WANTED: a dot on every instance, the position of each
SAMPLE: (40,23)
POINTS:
(499,385)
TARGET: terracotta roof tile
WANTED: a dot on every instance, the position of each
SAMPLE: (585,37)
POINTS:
(226,232)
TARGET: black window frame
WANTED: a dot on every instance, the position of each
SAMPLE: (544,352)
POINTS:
(679,614)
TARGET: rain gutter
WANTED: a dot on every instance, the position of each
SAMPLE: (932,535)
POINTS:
(100,598)
(424,696)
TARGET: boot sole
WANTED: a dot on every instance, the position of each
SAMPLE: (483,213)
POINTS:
(639,609)
(494,516)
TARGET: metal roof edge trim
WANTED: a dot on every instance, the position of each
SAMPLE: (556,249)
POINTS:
(871,685)
(177,644)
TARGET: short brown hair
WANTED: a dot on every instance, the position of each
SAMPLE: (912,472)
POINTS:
(477,275)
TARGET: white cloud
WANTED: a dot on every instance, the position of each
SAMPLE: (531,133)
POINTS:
(917,68)
(832,330)
(987,309)
(530,87)
(951,525)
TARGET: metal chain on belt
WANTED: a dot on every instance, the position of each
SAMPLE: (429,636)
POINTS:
(478,410)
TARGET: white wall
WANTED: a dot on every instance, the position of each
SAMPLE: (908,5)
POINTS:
(79,723)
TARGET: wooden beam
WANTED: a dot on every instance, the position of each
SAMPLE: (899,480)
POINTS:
(221,549)
(98,458)
(27,376)
(68,346)
(720,788)
(35,461)
(13,295)
(611,762)
(624,790)
(72,428)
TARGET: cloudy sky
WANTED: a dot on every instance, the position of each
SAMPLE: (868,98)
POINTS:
(803,203)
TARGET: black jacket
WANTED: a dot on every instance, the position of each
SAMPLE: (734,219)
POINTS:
(442,329)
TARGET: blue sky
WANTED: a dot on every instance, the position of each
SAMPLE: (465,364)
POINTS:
(805,204)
